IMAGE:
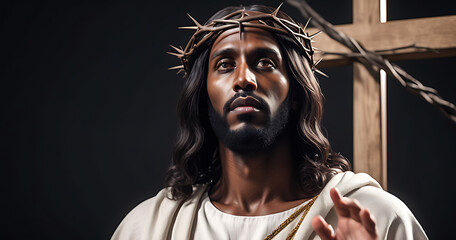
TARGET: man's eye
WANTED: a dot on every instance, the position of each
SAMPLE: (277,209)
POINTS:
(266,63)
(224,66)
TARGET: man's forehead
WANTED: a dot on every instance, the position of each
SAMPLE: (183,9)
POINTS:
(247,38)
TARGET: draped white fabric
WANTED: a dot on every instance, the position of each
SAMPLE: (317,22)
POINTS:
(215,224)
(162,218)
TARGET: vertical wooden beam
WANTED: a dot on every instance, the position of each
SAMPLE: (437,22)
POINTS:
(367,141)
(366,11)
(369,154)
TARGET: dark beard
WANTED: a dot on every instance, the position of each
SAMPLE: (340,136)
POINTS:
(249,139)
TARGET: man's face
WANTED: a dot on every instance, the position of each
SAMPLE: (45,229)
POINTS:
(248,89)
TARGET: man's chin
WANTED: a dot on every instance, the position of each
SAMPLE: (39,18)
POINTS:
(245,127)
(247,138)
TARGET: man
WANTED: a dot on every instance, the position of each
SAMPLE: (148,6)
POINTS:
(251,161)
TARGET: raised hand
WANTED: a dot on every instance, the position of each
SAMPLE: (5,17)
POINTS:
(354,221)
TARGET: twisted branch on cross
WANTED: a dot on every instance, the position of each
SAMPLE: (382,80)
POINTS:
(374,61)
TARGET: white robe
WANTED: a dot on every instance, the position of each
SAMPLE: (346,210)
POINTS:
(162,218)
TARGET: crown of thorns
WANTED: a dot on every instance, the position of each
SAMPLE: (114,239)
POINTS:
(269,22)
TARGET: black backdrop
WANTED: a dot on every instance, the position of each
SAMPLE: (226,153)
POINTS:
(88,117)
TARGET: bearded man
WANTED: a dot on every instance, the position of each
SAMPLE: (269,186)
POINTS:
(251,161)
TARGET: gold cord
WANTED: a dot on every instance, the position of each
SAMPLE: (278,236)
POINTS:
(290,219)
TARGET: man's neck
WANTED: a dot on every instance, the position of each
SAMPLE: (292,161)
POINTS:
(257,183)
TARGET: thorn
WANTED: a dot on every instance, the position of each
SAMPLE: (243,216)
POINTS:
(307,23)
(318,62)
(321,73)
(177,49)
(176,67)
(189,27)
(196,22)
(277,10)
(175,54)
(315,34)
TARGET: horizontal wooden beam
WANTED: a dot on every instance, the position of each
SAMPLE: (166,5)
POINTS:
(436,32)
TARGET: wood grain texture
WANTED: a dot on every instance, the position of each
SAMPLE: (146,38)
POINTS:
(366,11)
(435,32)
(367,132)
(367,119)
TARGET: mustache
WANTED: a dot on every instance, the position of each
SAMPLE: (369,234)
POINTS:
(243,94)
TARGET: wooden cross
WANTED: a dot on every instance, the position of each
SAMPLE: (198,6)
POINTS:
(369,92)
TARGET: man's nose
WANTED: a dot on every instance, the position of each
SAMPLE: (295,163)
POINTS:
(245,78)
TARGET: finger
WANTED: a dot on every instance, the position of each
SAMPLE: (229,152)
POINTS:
(368,222)
(323,229)
(355,209)
(346,207)
(339,203)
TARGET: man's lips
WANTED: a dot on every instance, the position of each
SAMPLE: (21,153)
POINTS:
(245,104)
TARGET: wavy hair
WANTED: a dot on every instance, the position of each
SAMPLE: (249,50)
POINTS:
(195,157)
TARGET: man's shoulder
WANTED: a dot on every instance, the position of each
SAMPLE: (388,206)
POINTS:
(366,190)
(135,224)
(151,218)
(372,196)
(149,207)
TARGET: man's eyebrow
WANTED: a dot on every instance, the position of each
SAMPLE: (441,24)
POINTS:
(262,51)
(266,52)
(224,51)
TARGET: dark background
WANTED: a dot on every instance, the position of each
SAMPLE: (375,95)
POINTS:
(88,116)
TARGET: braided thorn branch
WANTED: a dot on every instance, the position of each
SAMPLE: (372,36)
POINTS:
(373,61)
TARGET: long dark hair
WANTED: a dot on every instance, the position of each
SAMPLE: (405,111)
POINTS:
(195,158)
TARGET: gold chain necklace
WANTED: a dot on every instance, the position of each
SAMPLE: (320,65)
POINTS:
(290,219)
